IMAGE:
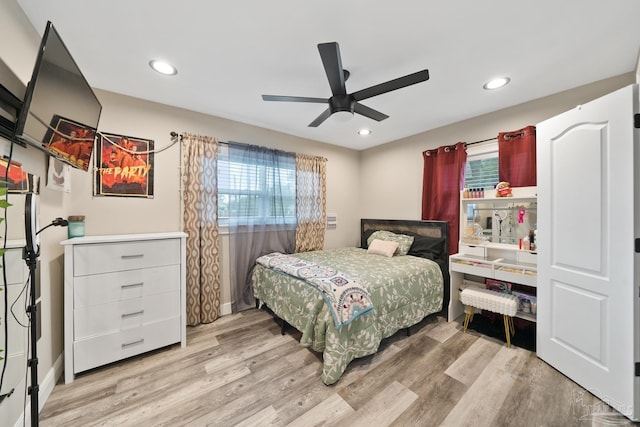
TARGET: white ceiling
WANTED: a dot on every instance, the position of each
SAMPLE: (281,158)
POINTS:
(230,53)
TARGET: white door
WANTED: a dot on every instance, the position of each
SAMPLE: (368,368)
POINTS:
(587,290)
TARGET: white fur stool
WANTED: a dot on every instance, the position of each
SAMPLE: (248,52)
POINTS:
(496,302)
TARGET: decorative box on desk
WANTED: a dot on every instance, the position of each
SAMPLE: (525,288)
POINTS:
(123,295)
(489,247)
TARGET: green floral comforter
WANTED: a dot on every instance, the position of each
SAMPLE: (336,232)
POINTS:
(404,290)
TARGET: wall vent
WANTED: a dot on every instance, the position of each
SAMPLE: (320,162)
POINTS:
(332,220)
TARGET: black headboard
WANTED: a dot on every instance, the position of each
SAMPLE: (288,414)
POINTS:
(438,229)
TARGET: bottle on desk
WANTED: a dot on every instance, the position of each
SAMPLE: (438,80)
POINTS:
(532,241)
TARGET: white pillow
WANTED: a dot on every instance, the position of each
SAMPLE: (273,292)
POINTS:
(382,247)
(404,241)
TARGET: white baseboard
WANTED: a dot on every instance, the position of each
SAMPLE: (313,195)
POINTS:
(50,380)
(225,309)
(45,389)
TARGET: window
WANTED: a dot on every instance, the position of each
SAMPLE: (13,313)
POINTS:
(481,170)
(257,191)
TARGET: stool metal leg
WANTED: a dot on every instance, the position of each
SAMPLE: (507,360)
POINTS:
(468,316)
(508,328)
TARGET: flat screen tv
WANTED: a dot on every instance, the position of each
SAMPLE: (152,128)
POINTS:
(60,111)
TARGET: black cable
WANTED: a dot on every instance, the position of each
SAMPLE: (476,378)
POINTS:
(23,291)
(4,270)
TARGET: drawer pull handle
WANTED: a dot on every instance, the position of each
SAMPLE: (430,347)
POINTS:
(132,285)
(129,344)
(135,313)
(132,256)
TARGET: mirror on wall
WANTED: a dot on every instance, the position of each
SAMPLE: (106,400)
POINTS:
(505,223)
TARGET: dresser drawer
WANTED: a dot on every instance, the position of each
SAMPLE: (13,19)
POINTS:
(97,351)
(120,315)
(15,267)
(110,257)
(122,285)
(16,332)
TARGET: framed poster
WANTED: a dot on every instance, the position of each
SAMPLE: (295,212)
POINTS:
(17,179)
(71,142)
(124,166)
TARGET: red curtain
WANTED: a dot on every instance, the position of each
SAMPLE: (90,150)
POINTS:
(517,157)
(442,182)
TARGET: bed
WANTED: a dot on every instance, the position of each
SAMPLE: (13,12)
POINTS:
(402,290)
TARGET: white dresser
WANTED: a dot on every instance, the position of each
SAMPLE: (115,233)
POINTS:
(16,352)
(123,295)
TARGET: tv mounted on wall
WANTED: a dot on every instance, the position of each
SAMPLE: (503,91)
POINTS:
(60,111)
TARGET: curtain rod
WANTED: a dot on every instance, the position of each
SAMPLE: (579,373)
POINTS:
(175,134)
(507,136)
(466,144)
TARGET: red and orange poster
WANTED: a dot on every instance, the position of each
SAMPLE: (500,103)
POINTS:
(71,142)
(124,166)
(17,179)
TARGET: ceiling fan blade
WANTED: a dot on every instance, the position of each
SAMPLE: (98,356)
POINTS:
(369,112)
(330,55)
(321,118)
(294,99)
(398,83)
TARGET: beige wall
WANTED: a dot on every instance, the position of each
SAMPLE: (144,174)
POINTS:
(391,174)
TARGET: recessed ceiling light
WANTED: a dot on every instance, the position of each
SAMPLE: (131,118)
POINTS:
(364,132)
(163,67)
(496,83)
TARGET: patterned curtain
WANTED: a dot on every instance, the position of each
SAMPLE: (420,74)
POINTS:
(443,179)
(517,157)
(199,181)
(311,176)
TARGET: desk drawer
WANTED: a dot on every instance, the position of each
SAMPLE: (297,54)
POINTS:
(471,267)
(122,285)
(517,275)
(478,251)
(110,257)
(527,257)
(100,350)
(116,316)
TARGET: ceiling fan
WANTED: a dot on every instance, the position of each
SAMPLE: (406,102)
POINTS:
(341,101)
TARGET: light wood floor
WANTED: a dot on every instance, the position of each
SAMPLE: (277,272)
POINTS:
(239,371)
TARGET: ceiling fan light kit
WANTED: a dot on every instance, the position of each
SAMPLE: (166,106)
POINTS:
(346,104)
(343,116)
